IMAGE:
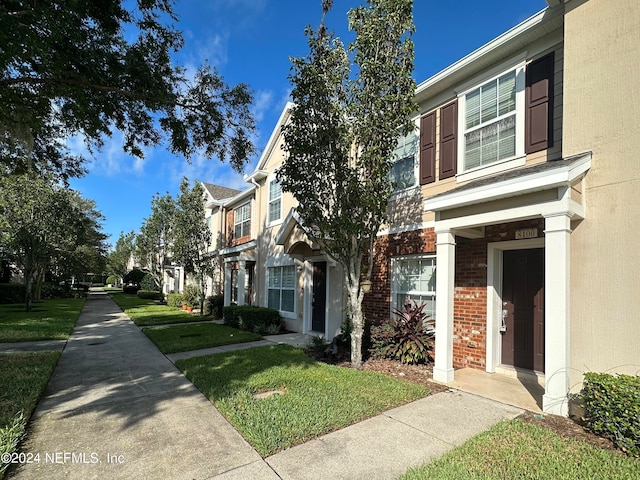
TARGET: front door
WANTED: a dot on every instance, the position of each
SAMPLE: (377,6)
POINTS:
(523,309)
(319,300)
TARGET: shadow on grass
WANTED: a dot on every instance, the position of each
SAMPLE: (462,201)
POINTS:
(219,376)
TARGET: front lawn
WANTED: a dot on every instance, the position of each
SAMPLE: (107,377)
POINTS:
(47,320)
(515,449)
(301,398)
(24,377)
(183,338)
(148,312)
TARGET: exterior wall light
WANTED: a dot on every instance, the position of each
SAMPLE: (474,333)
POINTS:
(365,285)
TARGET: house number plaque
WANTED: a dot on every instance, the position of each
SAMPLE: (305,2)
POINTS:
(526,233)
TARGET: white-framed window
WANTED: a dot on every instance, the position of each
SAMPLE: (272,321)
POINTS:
(402,174)
(281,284)
(492,121)
(275,202)
(414,279)
(242,221)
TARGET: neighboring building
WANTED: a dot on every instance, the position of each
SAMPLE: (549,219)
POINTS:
(518,188)
(215,198)
(268,261)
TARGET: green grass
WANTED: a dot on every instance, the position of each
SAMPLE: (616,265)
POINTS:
(48,320)
(145,312)
(316,398)
(24,377)
(518,450)
(182,338)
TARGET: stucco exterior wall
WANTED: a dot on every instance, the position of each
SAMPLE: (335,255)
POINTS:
(602,115)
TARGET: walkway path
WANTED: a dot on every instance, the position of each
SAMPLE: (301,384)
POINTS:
(117,408)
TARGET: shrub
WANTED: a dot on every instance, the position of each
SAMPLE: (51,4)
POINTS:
(213,305)
(148,283)
(149,294)
(175,300)
(134,276)
(408,338)
(53,290)
(255,319)
(612,409)
(12,293)
(131,288)
(112,279)
(192,294)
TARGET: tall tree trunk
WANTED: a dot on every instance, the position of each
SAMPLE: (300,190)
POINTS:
(357,326)
(28,285)
(37,295)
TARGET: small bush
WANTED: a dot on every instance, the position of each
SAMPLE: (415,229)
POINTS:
(131,288)
(612,409)
(175,300)
(148,283)
(149,294)
(408,338)
(192,294)
(213,305)
(255,319)
(12,293)
(53,290)
(134,276)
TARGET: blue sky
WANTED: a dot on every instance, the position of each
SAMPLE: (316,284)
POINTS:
(251,41)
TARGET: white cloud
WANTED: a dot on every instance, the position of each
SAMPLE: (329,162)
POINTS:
(262,103)
(111,160)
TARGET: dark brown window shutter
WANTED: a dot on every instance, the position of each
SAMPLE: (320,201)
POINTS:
(448,140)
(539,104)
(428,148)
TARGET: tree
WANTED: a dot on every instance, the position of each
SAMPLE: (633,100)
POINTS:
(43,225)
(153,242)
(350,108)
(72,67)
(118,259)
(192,236)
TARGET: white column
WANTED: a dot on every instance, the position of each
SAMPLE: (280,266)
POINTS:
(227,283)
(242,265)
(556,307)
(445,276)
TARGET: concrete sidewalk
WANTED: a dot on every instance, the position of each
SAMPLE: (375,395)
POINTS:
(116,407)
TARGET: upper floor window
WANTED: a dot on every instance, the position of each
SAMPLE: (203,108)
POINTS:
(242,221)
(402,174)
(275,201)
(492,121)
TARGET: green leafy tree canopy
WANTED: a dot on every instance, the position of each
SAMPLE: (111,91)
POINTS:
(351,105)
(71,67)
(192,236)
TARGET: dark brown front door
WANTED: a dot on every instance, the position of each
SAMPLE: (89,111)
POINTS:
(523,309)
(319,301)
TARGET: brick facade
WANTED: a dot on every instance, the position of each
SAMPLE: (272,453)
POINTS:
(377,303)
(470,294)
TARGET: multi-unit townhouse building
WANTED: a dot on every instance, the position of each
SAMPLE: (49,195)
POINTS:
(514,217)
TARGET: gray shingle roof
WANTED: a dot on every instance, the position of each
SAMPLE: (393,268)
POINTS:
(218,192)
